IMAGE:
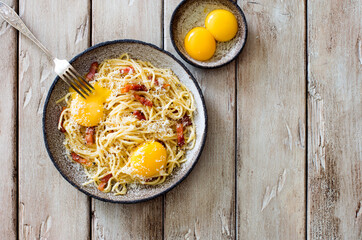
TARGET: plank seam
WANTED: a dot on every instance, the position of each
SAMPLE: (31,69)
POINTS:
(163,24)
(236,148)
(90,22)
(306,119)
(17,225)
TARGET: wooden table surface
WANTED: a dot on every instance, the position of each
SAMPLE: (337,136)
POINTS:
(283,157)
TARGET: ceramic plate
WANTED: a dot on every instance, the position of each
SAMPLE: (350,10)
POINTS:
(53,138)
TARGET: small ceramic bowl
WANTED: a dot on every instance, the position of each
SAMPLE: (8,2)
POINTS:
(53,138)
(192,13)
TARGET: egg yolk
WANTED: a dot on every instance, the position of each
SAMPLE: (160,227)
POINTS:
(200,44)
(148,160)
(89,112)
(222,24)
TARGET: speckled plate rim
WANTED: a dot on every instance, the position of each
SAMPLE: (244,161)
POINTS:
(202,141)
(195,64)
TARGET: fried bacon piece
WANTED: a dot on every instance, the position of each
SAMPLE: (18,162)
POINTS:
(104,182)
(186,121)
(183,122)
(62,129)
(89,135)
(127,70)
(157,83)
(139,115)
(134,87)
(143,100)
(79,159)
(92,71)
(180,134)
(126,88)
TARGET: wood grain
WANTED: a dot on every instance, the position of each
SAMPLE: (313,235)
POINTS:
(268,84)
(49,207)
(203,206)
(141,20)
(8,103)
(334,120)
(271,119)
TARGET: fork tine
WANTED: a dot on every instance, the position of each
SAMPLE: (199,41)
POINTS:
(80,80)
(74,82)
(68,74)
(72,86)
(80,76)
(83,87)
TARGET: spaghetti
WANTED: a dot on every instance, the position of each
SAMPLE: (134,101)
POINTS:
(145,104)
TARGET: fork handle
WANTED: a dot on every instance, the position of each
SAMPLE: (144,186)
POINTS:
(14,20)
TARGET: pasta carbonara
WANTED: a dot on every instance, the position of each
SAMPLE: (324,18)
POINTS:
(135,128)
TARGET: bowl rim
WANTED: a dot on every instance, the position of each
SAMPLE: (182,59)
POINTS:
(202,66)
(202,141)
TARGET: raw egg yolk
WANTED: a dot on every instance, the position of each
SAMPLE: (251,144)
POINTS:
(200,44)
(222,24)
(148,160)
(89,112)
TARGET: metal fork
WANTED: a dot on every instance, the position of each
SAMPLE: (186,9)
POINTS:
(61,67)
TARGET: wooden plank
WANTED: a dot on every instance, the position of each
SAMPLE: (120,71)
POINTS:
(203,206)
(47,203)
(271,122)
(334,120)
(141,20)
(8,103)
